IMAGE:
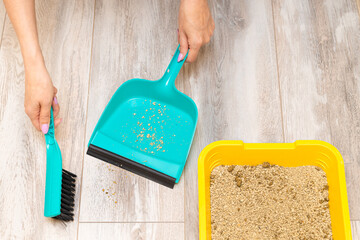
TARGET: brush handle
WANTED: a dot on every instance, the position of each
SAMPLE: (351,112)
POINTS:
(50,135)
(173,69)
(53,173)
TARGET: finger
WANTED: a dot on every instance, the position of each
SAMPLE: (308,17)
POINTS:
(207,39)
(56,107)
(57,122)
(45,117)
(184,46)
(36,124)
(193,51)
(55,90)
(33,114)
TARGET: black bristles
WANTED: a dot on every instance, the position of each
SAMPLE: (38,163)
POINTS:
(67,192)
(67,196)
(69,173)
(64,211)
(64,217)
(69,178)
(67,187)
(66,207)
(66,201)
(69,183)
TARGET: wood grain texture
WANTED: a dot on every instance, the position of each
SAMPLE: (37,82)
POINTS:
(131,231)
(2,19)
(234,84)
(65,30)
(355,230)
(318,44)
(352,172)
(131,39)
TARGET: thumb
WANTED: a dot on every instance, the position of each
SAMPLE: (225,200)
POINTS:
(183,45)
(45,117)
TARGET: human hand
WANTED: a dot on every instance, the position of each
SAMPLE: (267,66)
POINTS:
(196,27)
(40,95)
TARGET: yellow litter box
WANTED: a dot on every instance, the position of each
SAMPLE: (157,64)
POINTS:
(300,153)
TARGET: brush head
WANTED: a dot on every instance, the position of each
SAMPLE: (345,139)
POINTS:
(67,196)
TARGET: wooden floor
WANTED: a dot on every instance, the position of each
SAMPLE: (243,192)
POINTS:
(275,71)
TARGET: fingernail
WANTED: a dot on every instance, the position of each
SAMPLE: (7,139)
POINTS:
(45,128)
(55,100)
(180,57)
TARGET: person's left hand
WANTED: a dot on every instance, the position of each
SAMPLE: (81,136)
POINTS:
(196,27)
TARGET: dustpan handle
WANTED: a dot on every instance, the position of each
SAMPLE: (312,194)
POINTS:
(173,69)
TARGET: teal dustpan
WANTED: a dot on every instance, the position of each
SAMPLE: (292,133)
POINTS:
(147,128)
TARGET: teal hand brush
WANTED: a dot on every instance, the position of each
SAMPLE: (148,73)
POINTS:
(60,184)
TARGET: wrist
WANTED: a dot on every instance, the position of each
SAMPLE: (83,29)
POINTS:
(33,58)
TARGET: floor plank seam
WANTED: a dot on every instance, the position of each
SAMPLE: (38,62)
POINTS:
(277,72)
(86,114)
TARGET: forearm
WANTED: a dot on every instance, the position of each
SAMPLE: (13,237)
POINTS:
(23,19)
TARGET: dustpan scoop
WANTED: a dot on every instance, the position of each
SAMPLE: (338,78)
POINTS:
(147,127)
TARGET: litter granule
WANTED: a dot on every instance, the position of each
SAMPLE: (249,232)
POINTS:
(269,202)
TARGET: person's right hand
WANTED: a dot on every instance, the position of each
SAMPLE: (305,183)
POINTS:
(40,95)
(196,26)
